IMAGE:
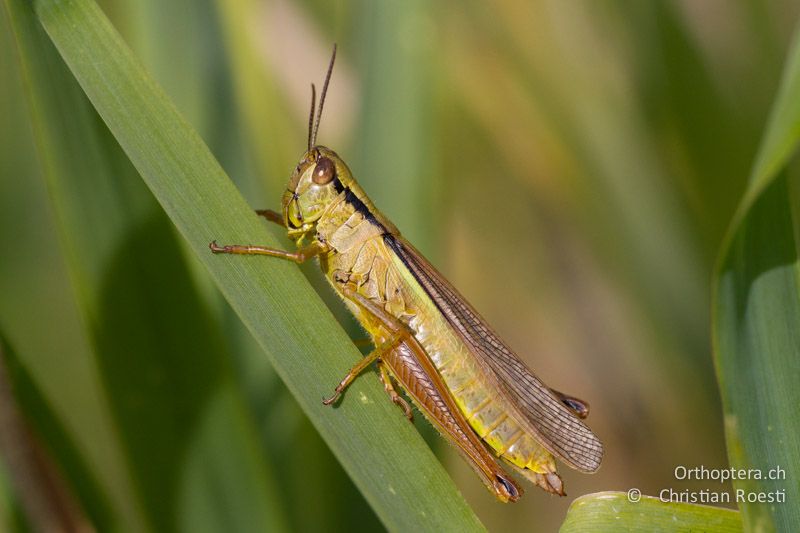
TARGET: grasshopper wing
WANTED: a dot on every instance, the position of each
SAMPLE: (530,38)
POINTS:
(534,404)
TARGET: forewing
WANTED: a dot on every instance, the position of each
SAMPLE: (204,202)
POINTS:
(536,407)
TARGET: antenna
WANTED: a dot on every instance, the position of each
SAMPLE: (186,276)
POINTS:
(311,114)
(313,137)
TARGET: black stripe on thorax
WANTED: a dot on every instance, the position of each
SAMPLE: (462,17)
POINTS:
(356,203)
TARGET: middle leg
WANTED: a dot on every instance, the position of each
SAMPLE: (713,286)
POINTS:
(388,386)
(359,367)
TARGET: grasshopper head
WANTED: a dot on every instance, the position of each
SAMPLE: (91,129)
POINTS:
(315,184)
(319,178)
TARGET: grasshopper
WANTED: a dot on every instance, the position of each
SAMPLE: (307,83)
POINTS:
(427,337)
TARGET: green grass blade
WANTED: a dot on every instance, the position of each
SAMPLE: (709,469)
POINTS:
(186,438)
(386,458)
(756,323)
(261,107)
(612,511)
(397,133)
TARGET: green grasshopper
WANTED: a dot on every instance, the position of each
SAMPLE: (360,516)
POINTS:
(427,337)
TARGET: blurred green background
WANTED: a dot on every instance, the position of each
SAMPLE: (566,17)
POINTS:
(571,167)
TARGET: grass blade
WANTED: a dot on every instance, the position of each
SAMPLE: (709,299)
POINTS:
(756,321)
(612,511)
(164,367)
(396,163)
(389,462)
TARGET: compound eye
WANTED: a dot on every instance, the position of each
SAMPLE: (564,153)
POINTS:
(324,172)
